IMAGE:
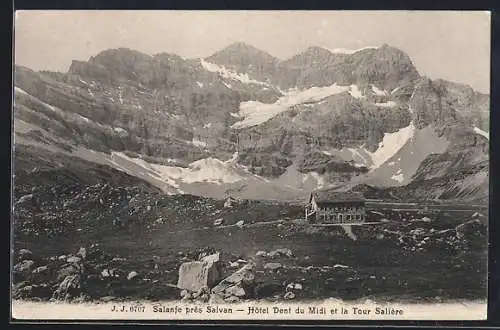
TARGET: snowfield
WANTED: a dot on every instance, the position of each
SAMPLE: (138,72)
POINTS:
(348,51)
(255,112)
(388,104)
(399,177)
(481,132)
(204,170)
(228,74)
(378,91)
(390,145)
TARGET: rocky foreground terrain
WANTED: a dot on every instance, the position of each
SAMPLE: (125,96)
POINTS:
(80,237)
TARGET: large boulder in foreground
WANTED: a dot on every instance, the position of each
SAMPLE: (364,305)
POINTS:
(196,275)
(239,284)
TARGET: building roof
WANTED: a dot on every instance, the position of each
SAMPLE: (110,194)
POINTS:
(332,197)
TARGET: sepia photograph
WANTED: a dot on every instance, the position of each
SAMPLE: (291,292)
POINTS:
(250,165)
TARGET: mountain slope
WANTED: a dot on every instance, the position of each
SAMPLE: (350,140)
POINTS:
(243,122)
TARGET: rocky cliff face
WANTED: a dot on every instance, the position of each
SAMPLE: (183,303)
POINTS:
(322,118)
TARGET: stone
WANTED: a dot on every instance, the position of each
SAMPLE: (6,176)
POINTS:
(234,264)
(195,275)
(236,290)
(40,270)
(261,254)
(212,258)
(82,253)
(186,298)
(477,215)
(105,273)
(215,299)
(218,222)
(132,275)
(425,219)
(285,252)
(232,299)
(24,266)
(24,254)
(184,293)
(70,286)
(273,265)
(289,295)
(67,271)
(73,259)
(241,282)
(240,223)
(107,298)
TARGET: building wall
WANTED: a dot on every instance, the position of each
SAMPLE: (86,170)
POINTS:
(340,214)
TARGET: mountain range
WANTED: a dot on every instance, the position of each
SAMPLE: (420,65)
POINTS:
(244,123)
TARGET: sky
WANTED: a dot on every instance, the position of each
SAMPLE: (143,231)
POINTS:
(452,45)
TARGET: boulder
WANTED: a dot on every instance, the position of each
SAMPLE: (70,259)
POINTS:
(470,229)
(289,295)
(236,290)
(218,222)
(239,284)
(273,265)
(232,299)
(281,252)
(73,259)
(24,266)
(240,223)
(70,287)
(294,286)
(261,254)
(24,254)
(41,270)
(195,275)
(67,271)
(228,203)
(477,215)
(215,299)
(132,275)
(82,253)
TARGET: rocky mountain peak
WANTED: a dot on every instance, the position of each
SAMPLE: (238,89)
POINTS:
(241,56)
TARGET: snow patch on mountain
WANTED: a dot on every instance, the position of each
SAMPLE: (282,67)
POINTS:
(388,104)
(294,179)
(391,144)
(228,74)
(255,112)
(399,177)
(198,143)
(204,170)
(348,51)
(378,91)
(355,92)
(479,131)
